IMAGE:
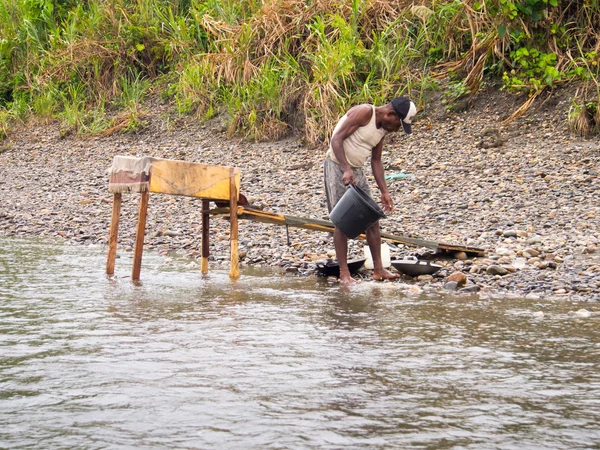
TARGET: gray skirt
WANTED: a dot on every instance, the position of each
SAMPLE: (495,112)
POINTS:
(334,182)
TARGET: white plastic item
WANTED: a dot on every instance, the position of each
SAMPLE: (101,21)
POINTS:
(385,256)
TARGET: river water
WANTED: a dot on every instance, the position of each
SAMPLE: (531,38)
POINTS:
(273,362)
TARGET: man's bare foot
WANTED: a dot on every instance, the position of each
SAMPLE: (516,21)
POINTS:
(347,280)
(383,274)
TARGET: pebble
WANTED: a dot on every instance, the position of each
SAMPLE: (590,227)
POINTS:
(451,286)
(583,313)
(462,256)
(459,278)
(496,270)
(471,289)
(537,229)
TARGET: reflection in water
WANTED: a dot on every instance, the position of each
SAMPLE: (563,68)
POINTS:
(189,361)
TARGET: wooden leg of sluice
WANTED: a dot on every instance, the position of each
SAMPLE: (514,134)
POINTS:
(205,234)
(234,271)
(139,237)
(114,233)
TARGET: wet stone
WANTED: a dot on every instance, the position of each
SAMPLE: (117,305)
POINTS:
(535,197)
(470,289)
(451,286)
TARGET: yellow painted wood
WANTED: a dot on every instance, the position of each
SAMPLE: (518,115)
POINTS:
(234,271)
(193,179)
(325,225)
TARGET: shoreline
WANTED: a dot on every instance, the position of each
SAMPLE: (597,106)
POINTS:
(526,192)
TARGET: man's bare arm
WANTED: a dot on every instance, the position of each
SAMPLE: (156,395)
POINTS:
(359,116)
(378,173)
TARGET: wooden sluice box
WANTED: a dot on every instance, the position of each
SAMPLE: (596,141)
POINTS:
(165,176)
(211,183)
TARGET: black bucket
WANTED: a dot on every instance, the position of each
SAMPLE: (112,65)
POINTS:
(355,212)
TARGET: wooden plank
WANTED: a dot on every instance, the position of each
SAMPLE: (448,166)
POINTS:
(234,271)
(139,237)
(192,179)
(205,236)
(452,248)
(327,226)
(323,225)
(113,234)
(415,242)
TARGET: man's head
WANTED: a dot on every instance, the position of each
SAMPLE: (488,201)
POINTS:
(405,110)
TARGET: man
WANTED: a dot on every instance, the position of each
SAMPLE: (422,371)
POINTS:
(358,135)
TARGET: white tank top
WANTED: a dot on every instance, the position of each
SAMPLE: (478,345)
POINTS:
(358,146)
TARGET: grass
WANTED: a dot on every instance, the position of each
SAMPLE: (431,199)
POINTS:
(279,66)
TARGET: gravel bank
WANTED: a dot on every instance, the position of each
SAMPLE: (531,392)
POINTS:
(526,192)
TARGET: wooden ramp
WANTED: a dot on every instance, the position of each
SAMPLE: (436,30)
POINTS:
(257,215)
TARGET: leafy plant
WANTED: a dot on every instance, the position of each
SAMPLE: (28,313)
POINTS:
(533,70)
(276,65)
(73,113)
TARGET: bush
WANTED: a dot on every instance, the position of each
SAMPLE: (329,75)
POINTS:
(269,63)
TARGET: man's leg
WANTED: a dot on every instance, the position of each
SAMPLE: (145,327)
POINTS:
(374,240)
(340,242)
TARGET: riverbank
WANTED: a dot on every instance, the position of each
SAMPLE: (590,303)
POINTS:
(526,192)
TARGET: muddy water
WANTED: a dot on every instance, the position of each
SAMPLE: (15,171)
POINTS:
(269,362)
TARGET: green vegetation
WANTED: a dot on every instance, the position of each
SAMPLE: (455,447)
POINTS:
(277,66)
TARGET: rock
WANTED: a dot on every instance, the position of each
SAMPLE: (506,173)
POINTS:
(458,277)
(414,291)
(459,265)
(519,263)
(461,256)
(583,313)
(470,289)
(535,187)
(451,286)
(497,270)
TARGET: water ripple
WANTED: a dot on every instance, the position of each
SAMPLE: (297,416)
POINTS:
(271,362)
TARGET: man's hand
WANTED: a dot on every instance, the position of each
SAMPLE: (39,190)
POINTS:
(348,177)
(388,204)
